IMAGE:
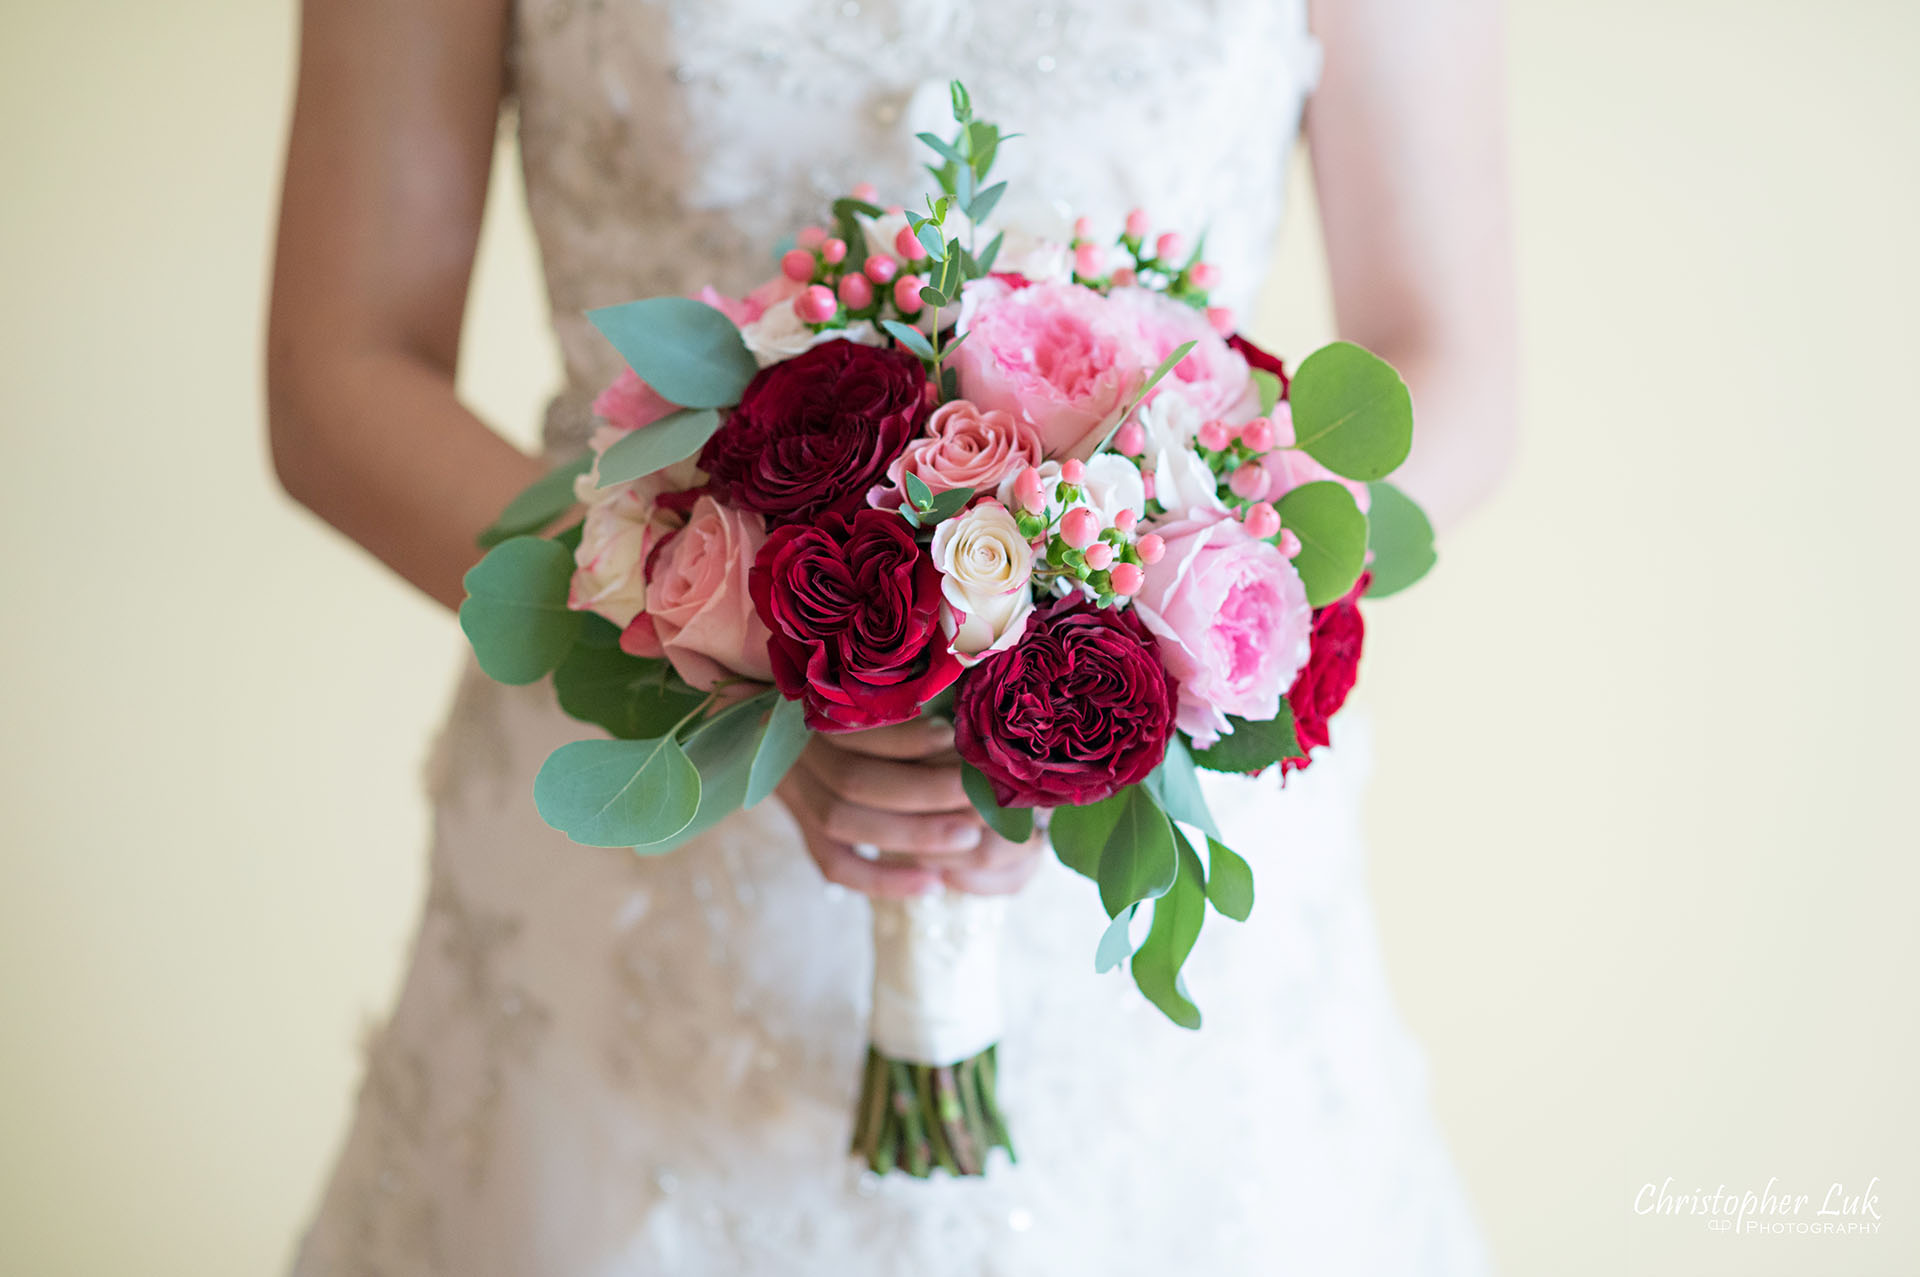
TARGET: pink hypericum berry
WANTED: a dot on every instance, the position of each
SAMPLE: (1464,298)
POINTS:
(856,291)
(1222,320)
(1080,527)
(1089,260)
(1130,439)
(1250,482)
(1123,276)
(906,294)
(1169,246)
(1099,555)
(797,265)
(1137,224)
(1150,548)
(1073,471)
(1289,543)
(811,236)
(1214,436)
(1262,520)
(908,245)
(881,269)
(1083,228)
(1125,519)
(1147,483)
(1028,491)
(866,192)
(1127,579)
(1205,275)
(834,251)
(816,305)
(1258,435)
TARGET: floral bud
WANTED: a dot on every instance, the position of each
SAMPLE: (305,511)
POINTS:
(1150,548)
(1125,519)
(1074,472)
(1205,275)
(856,291)
(1027,491)
(1083,228)
(1214,436)
(811,236)
(1089,261)
(1099,556)
(906,295)
(833,252)
(816,305)
(1127,579)
(1137,224)
(1147,484)
(1289,543)
(1130,439)
(1258,435)
(908,245)
(1250,482)
(797,265)
(881,269)
(1123,276)
(1262,520)
(1222,320)
(1169,246)
(1080,527)
(865,192)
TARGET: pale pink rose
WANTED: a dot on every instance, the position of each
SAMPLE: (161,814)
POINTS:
(1288,468)
(624,525)
(1214,377)
(699,614)
(630,403)
(986,567)
(1232,620)
(1051,354)
(963,447)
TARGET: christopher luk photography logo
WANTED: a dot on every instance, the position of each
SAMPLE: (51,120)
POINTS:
(1835,1209)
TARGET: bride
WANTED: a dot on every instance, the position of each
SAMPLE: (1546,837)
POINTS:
(607,1064)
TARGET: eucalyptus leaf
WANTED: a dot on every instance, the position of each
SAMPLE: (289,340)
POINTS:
(673,438)
(786,736)
(948,503)
(1116,942)
(597,631)
(1269,387)
(1176,787)
(631,697)
(991,252)
(983,141)
(910,337)
(1229,881)
(516,614)
(1333,538)
(1351,411)
(930,239)
(568,538)
(539,503)
(1079,834)
(722,750)
(941,147)
(917,491)
(932,296)
(1401,540)
(962,101)
(690,353)
(1138,861)
(614,793)
(985,202)
(1015,824)
(1253,746)
(1177,918)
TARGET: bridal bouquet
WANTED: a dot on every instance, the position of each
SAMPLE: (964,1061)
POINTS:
(1043,489)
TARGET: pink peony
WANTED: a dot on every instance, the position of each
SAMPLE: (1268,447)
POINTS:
(1232,619)
(963,447)
(1214,377)
(699,614)
(1051,354)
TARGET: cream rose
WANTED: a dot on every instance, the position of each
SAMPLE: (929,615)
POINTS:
(624,524)
(985,567)
(779,334)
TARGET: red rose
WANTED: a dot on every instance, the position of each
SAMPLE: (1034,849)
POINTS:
(1322,687)
(854,610)
(1078,709)
(1258,358)
(814,433)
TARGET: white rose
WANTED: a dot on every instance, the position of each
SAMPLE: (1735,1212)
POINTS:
(985,568)
(1183,484)
(1041,260)
(1170,420)
(779,334)
(1113,484)
(622,527)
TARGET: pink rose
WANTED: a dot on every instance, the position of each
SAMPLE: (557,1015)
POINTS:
(630,403)
(1213,377)
(963,447)
(1288,468)
(1232,619)
(699,614)
(1051,354)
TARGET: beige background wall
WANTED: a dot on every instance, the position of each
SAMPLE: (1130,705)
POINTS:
(1643,821)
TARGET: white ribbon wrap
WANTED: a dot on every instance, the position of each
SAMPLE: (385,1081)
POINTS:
(936,976)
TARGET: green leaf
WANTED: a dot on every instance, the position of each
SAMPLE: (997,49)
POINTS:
(1229,881)
(1078,834)
(992,251)
(1177,918)
(674,437)
(910,337)
(918,492)
(941,147)
(984,203)
(1253,747)
(780,748)
(983,141)
(1333,538)
(690,353)
(932,296)
(930,239)
(1269,386)
(1176,787)
(539,503)
(516,615)
(1116,942)
(1174,356)
(948,503)
(568,538)
(597,631)
(614,793)
(723,750)
(631,697)
(1015,824)
(1351,411)
(962,102)
(1401,540)
(1138,861)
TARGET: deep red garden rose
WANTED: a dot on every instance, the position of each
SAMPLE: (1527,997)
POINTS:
(1078,709)
(812,434)
(1332,665)
(854,609)
(1258,358)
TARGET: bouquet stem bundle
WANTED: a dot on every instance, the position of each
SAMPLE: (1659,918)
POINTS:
(915,1117)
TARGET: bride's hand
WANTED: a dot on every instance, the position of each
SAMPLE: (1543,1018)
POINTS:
(898,788)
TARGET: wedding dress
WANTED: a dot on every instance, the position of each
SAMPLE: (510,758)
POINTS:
(602,1064)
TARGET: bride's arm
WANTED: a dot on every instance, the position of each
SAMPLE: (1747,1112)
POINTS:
(387,164)
(1408,138)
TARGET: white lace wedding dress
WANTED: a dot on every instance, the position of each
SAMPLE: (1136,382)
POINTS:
(602,1064)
